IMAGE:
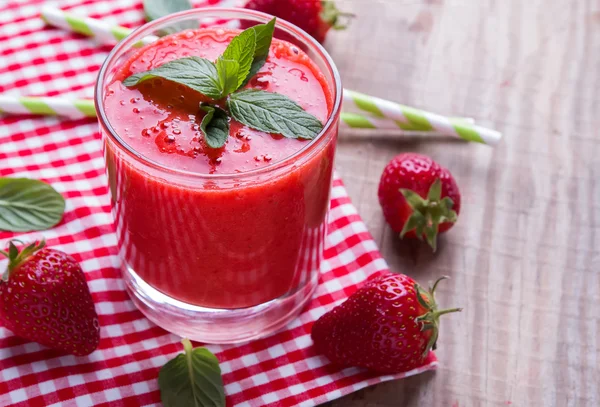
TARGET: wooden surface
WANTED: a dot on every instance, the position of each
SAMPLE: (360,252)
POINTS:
(525,255)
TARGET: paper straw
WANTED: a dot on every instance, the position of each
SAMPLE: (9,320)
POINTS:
(405,118)
(49,106)
(79,108)
(105,33)
(409,118)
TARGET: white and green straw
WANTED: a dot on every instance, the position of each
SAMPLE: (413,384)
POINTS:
(48,106)
(411,119)
(381,114)
(80,108)
(92,27)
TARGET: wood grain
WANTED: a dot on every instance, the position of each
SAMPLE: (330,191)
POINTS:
(525,255)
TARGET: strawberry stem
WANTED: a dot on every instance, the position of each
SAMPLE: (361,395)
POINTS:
(431,319)
(16,257)
(448,311)
(331,15)
(428,213)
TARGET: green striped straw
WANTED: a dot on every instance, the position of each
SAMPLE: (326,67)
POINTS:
(382,114)
(411,119)
(49,106)
(79,108)
(104,33)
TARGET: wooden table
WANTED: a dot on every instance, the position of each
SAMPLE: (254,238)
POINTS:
(525,255)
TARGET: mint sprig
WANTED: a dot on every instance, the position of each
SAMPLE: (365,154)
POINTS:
(243,58)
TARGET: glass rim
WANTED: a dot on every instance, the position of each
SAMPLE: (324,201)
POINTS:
(147,29)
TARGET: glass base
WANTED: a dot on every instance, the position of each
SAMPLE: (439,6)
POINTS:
(216,325)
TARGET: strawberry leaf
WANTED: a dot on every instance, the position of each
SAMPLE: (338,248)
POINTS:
(192,378)
(27,205)
(428,213)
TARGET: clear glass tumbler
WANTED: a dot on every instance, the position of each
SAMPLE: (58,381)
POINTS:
(209,271)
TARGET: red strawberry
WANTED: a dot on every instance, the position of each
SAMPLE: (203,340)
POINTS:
(44,298)
(315,17)
(389,326)
(419,197)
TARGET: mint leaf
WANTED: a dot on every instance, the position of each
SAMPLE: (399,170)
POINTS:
(215,126)
(192,378)
(241,49)
(264,37)
(228,75)
(28,204)
(154,9)
(273,113)
(194,72)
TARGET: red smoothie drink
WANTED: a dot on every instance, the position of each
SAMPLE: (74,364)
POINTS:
(218,228)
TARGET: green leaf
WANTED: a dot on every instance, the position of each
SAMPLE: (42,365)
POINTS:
(431,232)
(273,113)
(414,200)
(13,251)
(27,205)
(264,37)
(241,49)
(413,222)
(228,75)
(435,191)
(154,9)
(192,379)
(215,126)
(197,73)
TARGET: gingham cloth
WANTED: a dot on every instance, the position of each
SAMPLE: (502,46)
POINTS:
(281,370)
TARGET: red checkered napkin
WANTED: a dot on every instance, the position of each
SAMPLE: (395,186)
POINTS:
(281,370)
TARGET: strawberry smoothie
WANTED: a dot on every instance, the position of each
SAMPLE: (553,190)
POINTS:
(231,227)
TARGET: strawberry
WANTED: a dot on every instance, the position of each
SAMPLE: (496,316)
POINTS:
(419,197)
(388,326)
(315,17)
(44,298)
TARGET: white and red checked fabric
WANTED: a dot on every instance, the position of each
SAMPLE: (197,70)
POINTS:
(281,370)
